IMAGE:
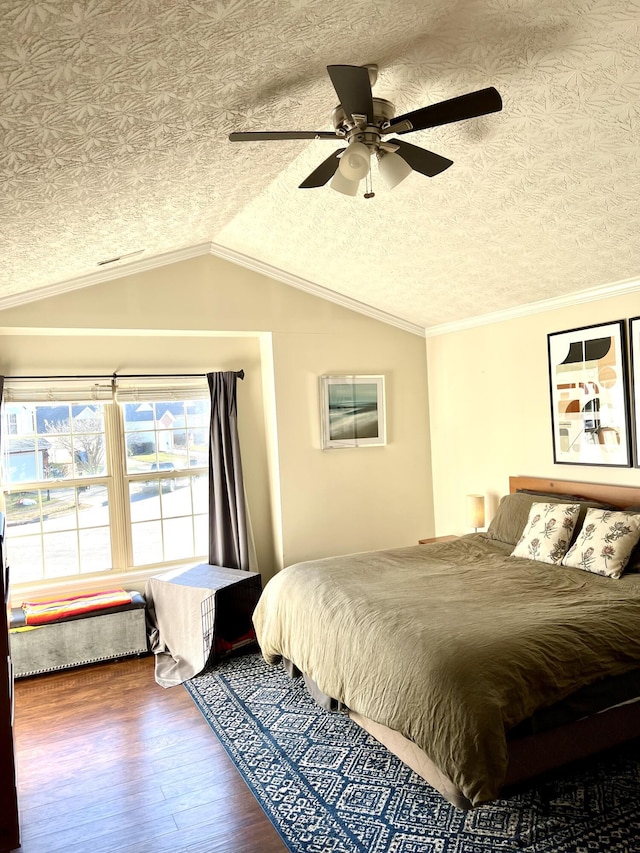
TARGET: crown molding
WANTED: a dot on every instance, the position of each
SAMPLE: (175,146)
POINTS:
(314,289)
(117,270)
(620,288)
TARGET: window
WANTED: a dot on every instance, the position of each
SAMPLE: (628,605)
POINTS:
(93,487)
(168,513)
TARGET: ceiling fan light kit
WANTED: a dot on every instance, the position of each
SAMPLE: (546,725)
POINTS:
(343,185)
(362,121)
(355,161)
(393,169)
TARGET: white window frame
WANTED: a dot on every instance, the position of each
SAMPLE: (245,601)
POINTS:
(153,389)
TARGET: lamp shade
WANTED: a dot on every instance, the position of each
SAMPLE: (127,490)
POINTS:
(393,169)
(475,511)
(355,162)
(344,185)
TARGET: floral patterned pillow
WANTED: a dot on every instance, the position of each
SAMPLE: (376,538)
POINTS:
(605,542)
(547,533)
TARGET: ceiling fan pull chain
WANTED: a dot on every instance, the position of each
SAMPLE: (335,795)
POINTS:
(368,184)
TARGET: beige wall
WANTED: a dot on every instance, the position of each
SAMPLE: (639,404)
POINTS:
(355,499)
(207,313)
(490,408)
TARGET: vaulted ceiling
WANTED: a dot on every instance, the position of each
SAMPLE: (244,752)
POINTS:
(115,116)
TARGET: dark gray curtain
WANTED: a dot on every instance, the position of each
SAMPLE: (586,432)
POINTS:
(228,541)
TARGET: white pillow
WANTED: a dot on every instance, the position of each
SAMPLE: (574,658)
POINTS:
(547,533)
(605,542)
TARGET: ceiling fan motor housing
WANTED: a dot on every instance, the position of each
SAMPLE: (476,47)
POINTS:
(369,134)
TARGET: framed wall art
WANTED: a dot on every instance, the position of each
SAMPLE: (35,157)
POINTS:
(634,346)
(352,411)
(589,395)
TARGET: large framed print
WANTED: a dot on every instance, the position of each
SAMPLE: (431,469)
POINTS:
(589,395)
(634,346)
(352,411)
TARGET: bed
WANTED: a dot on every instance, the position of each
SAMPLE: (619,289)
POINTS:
(478,668)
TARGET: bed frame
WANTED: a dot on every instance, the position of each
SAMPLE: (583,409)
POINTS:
(619,496)
(532,755)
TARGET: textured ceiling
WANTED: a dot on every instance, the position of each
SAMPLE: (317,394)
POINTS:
(114,118)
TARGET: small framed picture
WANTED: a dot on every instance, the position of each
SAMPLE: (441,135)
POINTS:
(589,395)
(352,411)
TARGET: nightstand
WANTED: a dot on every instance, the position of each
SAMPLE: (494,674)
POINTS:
(436,539)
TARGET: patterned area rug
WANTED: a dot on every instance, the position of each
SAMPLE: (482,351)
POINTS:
(328,787)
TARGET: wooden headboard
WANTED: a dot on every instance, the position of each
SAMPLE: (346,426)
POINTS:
(619,496)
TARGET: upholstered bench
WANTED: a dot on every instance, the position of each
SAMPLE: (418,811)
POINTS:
(98,635)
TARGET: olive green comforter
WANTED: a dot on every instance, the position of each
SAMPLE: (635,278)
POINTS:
(450,644)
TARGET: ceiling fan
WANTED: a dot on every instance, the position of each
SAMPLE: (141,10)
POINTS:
(362,121)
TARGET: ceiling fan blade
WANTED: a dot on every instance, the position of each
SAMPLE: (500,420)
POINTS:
(456,109)
(420,159)
(325,170)
(265,135)
(353,87)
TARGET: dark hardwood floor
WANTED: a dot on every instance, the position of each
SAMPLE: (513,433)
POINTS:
(110,761)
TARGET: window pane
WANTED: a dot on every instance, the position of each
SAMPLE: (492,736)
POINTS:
(59,509)
(43,529)
(25,460)
(95,550)
(88,418)
(144,500)
(54,442)
(60,554)
(25,552)
(23,510)
(162,516)
(201,530)
(169,414)
(89,455)
(200,489)
(166,436)
(93,505)
(178,538)
(147,543)
(197,422)
(137,416)
(176,497)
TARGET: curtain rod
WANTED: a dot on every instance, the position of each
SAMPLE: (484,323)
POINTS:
(110,376)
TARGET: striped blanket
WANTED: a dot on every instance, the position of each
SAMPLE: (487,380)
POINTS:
(54,610)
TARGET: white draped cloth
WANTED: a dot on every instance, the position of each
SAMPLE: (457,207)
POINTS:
(176,602)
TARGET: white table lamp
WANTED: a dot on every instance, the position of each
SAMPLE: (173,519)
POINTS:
(475,511)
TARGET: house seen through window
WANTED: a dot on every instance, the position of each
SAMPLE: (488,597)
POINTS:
(95,487)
